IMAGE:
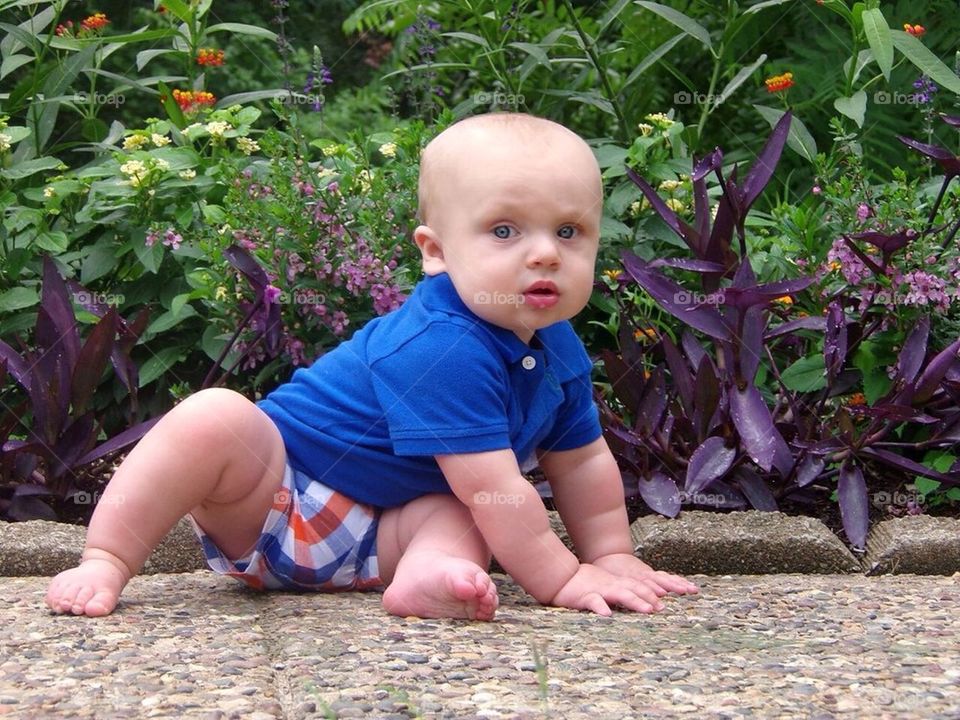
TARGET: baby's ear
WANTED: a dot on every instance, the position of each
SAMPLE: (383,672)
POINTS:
(431,251)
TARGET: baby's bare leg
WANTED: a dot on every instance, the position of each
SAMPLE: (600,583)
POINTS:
(433,560)
(217,456)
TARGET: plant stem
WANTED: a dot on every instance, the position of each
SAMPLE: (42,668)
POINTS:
(601,71)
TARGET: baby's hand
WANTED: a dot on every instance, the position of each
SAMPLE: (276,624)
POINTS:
(595,589)
(627,566)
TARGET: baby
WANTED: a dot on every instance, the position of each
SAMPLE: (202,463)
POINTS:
(394,461)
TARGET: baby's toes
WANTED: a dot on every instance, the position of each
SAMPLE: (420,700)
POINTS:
(84,594)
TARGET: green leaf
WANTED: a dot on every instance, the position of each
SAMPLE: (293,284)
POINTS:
(99,261)
(939,460)
(253,95)
(16,133)
(30,167)
(688,25)
(159,363)
(876,383)
(170,319)
(610,155)
(806,374)
(180,9)
(469,37)
(18,298)
(12,62)
(534,51)
(864,58)
(170,105)
(652,58)
(739,79)
(145,56)
(26,32)
(53,241)
(178,303)
(59,80)
(244,29)
(611,15)
(763,5)
(799,138)
(853,107)
(878,36)
(928,63)
(926,486)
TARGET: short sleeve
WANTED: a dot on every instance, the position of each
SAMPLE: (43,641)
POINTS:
(443,392)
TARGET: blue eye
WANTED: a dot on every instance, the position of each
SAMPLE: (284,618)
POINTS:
(502,231)
(567,232)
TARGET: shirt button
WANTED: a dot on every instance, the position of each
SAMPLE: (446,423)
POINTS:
(529,362)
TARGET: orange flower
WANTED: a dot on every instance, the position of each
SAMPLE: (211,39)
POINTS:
(645,334)
(915,30)
(209,57)
(95,22)
(784,300)
(779,83)
(193,100)
(856,399)
(64,29)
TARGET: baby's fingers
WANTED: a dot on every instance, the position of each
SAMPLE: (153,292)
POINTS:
(594,602)
(641,600)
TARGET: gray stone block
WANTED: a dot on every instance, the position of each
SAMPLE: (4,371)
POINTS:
(40,547)
(918,544)
(740,543)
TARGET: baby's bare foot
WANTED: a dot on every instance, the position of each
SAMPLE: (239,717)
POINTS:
(444,587)
(92,588)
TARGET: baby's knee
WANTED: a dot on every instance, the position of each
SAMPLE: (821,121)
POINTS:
(209,415)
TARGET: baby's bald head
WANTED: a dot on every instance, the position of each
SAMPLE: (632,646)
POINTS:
(509,135)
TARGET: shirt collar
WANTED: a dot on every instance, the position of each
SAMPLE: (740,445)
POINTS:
(439,294)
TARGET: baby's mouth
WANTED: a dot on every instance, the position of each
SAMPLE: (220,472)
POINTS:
(541,294)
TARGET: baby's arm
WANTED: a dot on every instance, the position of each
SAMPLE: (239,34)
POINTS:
(588,493)
(511,517)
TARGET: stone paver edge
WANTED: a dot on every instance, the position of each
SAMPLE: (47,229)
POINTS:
(746,542)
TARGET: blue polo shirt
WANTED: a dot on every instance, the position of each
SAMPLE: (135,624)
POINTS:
(430,379)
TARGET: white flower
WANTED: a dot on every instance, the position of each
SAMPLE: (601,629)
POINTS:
(388,149)
(136,170)
(247,146)
(669,185)
(161,164)
(325,172)
(363,180)
(134,142)
(159,140)
(192,129)
(49,192)
(645,129)
(217,128)
(189,174)
(660,120)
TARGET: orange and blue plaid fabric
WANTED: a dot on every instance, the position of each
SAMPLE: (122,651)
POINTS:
(314,538)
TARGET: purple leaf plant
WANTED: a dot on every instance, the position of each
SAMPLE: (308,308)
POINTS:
(690,424)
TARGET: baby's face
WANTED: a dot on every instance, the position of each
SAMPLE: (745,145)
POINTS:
(516,220)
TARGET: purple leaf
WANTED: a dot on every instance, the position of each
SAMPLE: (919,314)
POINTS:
(804,323)
(56,301)
(742,298)
(707,165)
(700,266)
(29,507)
(951,120)
(907,465)
(914,350)
(835,340)
(626,383)
(706,397)
(755,489)
(653,402)
(750,347)
(679,373)
(118,442)
(887,243)
(763,169)
(744,277)
(810,469)
(854,505)
(92,361)
(760,437)
(660,493)
(709,462)
(15,365)
(675,300)
(246,264)
(701,214)
(692,347)
(75,439)
(686,233)
(946,159)
(935,371)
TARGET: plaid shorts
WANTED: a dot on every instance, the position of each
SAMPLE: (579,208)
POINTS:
(314,538)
